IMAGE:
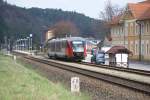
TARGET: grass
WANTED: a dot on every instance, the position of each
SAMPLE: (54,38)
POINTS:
(20,83)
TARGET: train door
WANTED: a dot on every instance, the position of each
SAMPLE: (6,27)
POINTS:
(63,48)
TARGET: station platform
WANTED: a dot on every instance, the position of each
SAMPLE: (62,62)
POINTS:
(140,65)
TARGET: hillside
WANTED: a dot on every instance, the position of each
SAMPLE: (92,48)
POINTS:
(17,22)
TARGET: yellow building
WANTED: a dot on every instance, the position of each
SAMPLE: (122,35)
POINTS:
(132,30)
(49,34)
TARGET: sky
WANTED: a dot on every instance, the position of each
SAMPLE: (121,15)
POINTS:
(90,8)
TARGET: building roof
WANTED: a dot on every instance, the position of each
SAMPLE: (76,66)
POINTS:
(147,1)
(140,11)
(118,49)
(145,15)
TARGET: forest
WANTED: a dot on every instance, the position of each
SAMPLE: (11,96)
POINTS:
(17,22)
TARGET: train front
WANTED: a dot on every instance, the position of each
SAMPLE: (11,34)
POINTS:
(79,51)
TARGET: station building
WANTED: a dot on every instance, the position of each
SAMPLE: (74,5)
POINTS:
(132,30)
(49,34)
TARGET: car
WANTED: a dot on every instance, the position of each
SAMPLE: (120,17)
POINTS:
(98,56)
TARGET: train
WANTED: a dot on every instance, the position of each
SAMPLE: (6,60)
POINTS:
(72,48)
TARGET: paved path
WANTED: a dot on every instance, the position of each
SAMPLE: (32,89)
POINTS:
(138,65)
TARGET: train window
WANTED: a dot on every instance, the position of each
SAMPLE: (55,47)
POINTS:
(58,46)
(49,45)
(78,43)
(64,44)
(56,43)
(52,46)
(78,46)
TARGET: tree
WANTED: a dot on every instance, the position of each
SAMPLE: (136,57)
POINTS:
(100,29)
(108,14)
(110,11)
(63,28)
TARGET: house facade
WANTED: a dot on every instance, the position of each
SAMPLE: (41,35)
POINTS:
(49,34)
(132,30)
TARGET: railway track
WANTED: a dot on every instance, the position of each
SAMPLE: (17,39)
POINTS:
(130,70)
(142,86)
(137,80)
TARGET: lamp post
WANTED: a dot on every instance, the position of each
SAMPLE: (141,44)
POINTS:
(21,44)
(28,43)
(19,48)
(17,45)
(31,42)
(25,43)
(140,37)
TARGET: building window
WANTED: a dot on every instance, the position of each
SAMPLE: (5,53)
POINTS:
(136,47)
(136,29)
(147,48)
(143,49)
(114,30)
(131,28)
(132,46)
(126,29)
(118,30)
(147,28)
(142,28)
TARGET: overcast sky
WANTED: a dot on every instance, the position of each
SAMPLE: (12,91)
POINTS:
(90,8)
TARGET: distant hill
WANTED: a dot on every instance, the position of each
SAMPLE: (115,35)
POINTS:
(17,22)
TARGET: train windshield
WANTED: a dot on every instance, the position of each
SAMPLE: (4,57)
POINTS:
(78,46)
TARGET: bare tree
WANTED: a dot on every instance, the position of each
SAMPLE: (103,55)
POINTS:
(63,28)
(110,11)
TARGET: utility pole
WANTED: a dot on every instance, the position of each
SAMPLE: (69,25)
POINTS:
(31,41)
(140,53)
(5,38)
(9,45)
(140,37)
(125,28)
(28,44)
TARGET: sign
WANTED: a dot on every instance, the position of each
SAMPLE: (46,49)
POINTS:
(75,84)
(122,60)
(15,59)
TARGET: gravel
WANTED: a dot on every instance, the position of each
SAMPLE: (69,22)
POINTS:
(97,89)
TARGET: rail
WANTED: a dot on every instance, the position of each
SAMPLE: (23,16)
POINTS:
(143,86)
(133,84)
(136,71)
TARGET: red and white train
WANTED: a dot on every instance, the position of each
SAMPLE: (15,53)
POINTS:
(72,48)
